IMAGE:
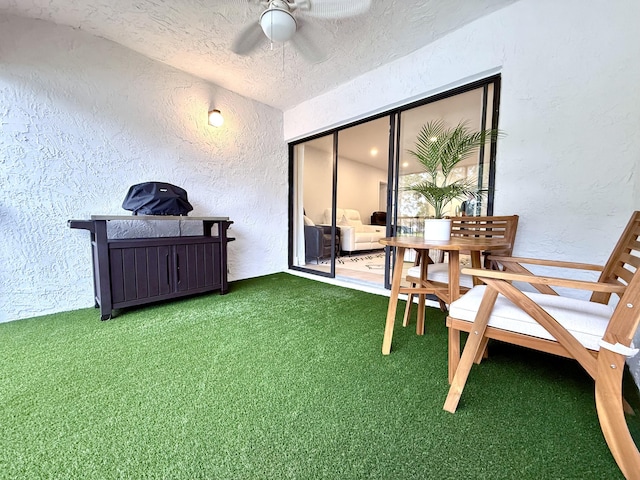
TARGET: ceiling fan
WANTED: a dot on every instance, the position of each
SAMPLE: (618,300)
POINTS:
(278,24)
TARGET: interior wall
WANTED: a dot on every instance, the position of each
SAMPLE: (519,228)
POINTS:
(358,185)
(81,120)
(568,164)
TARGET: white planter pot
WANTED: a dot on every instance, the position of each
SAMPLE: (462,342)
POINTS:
(437,229)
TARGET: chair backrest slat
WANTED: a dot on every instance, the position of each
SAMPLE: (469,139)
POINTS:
(491,232)
(629,259)
(623,274)
(624,259)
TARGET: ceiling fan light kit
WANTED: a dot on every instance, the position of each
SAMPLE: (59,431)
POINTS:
(278,25)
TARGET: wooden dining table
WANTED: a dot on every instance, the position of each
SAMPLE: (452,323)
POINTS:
(455,245)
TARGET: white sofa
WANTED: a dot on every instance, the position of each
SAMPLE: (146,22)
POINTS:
(354,235)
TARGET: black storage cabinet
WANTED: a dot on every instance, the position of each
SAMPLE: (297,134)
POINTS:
(137,271)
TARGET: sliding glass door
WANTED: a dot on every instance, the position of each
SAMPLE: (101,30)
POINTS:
(349,186)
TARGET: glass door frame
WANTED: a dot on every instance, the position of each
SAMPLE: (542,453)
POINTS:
(292,199)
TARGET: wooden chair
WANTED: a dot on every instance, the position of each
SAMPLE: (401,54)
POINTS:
(437,274)
(594,333)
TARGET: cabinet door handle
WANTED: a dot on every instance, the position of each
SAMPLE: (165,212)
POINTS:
(178,267)
(168,270)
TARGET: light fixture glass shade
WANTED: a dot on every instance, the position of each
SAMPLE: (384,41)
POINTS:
(278,25)
(215,118)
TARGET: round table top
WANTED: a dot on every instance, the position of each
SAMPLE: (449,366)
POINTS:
(454,243)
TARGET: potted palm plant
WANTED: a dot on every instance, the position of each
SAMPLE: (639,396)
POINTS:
(439,149)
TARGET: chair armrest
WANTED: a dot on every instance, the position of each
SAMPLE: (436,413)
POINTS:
(347,238)
(540,280)
(371,228)
(313,241)
(346,229)
(313,231)
(548,263)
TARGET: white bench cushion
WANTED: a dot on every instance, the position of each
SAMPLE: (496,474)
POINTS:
(586,321)
(439,272)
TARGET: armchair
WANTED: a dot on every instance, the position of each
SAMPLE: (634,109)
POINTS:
(379,218)
(597,334)
(317,242)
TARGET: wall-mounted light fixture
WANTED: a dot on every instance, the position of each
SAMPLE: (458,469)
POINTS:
(215,118)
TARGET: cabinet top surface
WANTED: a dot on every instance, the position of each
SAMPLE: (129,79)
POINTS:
(157,217)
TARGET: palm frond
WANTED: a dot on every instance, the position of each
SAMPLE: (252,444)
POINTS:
(440,149)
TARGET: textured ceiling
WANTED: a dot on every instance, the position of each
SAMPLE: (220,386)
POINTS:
(196,35)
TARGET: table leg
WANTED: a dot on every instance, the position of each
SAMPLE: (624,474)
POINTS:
(393,301)
(424,262)
(420,317)
(454,275)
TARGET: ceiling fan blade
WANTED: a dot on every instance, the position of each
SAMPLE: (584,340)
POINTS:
(248,39)
(255,2)
(333,8)
(307,48)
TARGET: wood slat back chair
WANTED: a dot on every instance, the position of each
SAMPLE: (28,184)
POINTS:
(438,273)
(594,333)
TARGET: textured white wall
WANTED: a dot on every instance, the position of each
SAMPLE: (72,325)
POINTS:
(569,106)
(82,119)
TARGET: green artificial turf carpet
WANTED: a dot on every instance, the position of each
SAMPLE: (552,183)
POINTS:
(281,378)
